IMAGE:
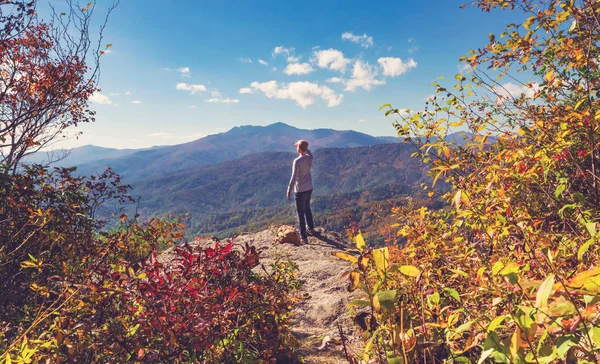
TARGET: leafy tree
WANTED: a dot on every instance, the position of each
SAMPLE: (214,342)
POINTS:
(48,71)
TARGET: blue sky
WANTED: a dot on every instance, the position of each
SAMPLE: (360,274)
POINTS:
(180,70)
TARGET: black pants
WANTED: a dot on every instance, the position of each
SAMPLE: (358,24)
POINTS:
(303,208)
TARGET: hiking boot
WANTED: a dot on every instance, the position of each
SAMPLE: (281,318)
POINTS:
(304,241)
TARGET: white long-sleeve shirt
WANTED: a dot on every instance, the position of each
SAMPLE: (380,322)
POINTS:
(301,179)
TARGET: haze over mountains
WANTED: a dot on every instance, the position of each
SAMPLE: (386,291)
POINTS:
(236,143)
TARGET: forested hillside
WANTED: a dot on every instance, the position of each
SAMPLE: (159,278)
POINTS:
(249,193)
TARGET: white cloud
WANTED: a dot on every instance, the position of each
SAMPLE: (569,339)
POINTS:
(264,63)
(128,93)
(363,121)
(192,107)
(410,40)
(215,93)
(464,67)
(107,51)
(304,93)
(246,90)
(363,75)
(184,71)
(188,87)
(335,80)
(100,99)
(293,59)
(413,49)
(135,102)
(364,40)
(114,94)
(332,59)
(245,60)
(515,91)
(282,50)
(223,101)
(393,67)
(298,69)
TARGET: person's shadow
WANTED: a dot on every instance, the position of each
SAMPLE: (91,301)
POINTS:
(328,242)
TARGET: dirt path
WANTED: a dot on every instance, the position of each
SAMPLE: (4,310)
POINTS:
(317,318)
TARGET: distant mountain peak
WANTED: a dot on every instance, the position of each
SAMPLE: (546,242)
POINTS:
(278,126)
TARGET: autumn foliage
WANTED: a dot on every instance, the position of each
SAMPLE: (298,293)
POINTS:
(79,280)
(509,272)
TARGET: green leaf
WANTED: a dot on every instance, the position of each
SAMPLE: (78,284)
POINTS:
(386,299)
(394,358)
(459,272)
(410,270)
(452,293)
(570,206)
(384,106)
(497,267)
(595,334)
(559,190)
(459,330)
(433,299)
(584,248)
(561,307)
(510,272)
(564,343)
(362,303)
(591,228)
(495,323)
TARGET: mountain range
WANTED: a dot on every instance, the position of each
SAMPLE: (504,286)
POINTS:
(212,149)
(236,181)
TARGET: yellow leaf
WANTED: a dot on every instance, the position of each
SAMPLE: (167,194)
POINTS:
(588,280)
(345,256)
(410,270)
(446,151)
(363,262)
(543,293)
(465,198)
(376,304)
(515,343)
(354,280)
(360,242)
(381,259)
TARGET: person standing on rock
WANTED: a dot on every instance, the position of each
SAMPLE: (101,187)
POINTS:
(301,183)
